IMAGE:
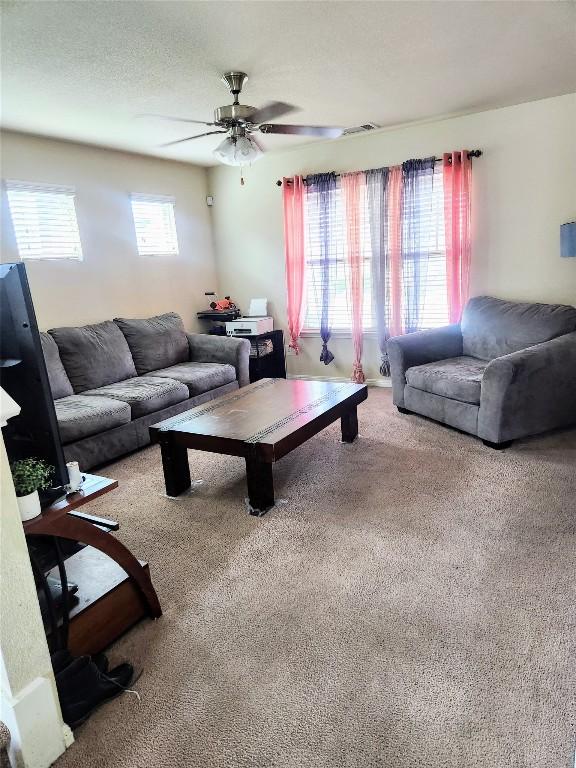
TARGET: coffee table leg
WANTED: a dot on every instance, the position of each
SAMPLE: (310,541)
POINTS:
(176,468)
(349,425)
(260,486)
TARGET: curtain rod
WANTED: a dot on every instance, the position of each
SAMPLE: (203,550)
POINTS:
(472,153)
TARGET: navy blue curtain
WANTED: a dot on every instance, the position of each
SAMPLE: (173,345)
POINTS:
(418,178)
(321,189)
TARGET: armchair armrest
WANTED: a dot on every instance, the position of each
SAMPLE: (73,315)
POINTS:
(529,391)
(205,348)
(419,348)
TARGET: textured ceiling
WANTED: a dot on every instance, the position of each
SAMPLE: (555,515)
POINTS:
(84,70)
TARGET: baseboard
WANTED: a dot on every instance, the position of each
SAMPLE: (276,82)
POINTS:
(383,382)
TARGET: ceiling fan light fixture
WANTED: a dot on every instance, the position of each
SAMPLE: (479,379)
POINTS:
(238,150)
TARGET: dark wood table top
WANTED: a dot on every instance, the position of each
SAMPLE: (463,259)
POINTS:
(93,486)
(268,418)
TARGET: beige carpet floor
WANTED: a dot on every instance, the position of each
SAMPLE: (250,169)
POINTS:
(409,603)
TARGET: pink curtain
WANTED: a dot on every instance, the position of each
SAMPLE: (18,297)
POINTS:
(293,199)
(457,173)
(395,248)
(353,187)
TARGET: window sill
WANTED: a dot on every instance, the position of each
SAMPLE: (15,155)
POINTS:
(338,334)
(51,258)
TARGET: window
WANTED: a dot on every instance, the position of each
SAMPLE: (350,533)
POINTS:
(424,255)
(155,225)
(340,310)
(44,221)
(425,265)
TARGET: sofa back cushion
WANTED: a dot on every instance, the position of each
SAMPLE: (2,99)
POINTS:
(94,355)
(493,327)
(156,342)
(59,381)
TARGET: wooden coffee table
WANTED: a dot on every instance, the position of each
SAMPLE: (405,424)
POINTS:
(262,422)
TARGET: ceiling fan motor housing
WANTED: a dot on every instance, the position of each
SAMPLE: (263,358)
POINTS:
(232,113)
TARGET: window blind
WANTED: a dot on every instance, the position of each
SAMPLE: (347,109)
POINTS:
(44,221)
(428,217)
(430,260)
(340,307)
(155,225)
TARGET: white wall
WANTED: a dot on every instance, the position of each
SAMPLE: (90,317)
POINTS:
(112,280)
(28,698)
(524,188)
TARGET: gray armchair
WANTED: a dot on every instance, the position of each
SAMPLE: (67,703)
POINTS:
(508,370)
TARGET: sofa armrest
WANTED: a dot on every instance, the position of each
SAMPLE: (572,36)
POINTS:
(205,348)
(419,348)
(529,391)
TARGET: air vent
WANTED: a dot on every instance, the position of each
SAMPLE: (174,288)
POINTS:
(361,128)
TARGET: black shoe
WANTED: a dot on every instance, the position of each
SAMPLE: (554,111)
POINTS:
(82,688)
(62,659)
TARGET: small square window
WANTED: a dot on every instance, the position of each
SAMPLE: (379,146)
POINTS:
(44,221)
(155,225)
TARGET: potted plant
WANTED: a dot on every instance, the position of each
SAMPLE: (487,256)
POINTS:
(29,476)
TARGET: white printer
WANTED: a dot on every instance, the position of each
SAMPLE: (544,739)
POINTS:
(257,321)
(249,326)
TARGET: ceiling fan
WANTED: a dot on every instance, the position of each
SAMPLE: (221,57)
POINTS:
(240,122)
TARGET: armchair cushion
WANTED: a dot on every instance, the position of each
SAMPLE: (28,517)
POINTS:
(458,378)
(493,327)
(199,377)
(155,342)
(418,348)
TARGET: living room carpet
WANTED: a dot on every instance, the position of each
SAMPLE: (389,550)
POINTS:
(408,603)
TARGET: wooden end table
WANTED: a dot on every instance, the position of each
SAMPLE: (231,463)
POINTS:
(62,520)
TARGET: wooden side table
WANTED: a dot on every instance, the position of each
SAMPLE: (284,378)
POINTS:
(62,520)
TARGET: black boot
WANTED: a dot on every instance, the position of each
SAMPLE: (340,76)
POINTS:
(82,688)
(63,658)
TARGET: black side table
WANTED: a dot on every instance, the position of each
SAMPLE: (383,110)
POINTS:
(271,366)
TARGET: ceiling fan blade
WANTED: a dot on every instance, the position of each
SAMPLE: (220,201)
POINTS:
(189,138)
(177,119)
(303,130)
(271,111)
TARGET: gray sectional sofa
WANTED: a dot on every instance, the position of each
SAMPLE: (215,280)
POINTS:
(112,380)
(508,370)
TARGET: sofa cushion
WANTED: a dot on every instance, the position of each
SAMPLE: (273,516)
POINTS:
(94,355)
(144,394)
(80,416)
(199,377)
(59,381)
(458,378)
(493,327)
(463,416)
(156,342)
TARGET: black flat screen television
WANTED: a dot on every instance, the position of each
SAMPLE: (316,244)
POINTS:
(23,375)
